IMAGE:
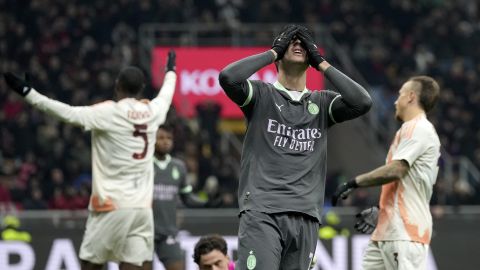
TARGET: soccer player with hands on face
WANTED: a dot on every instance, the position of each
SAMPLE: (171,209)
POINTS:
(402,236)
(283,163)
(120,223)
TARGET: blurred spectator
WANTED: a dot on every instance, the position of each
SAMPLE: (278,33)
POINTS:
(55,183)
(59,200)
(35,201)
(208,115)
(4,192)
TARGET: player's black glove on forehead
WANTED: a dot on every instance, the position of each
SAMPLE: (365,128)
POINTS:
(308,43)
(304,30)
(283,39)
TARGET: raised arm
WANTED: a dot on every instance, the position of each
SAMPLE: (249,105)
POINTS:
(354,100)
(165,95)
(85,116)
(385,174)
(233,78)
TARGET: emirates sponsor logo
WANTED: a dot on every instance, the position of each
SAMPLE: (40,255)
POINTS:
(296,139)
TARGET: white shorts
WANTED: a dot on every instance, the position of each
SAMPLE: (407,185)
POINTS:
(399,255)
(123,235)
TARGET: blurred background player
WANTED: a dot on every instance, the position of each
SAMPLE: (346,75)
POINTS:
(402,236)
(120,223)
(210,253)
(170,180)
(283,163)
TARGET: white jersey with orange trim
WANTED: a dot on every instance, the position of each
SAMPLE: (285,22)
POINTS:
(123,141)
(404,204)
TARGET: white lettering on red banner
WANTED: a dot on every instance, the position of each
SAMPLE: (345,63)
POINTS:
(198,69)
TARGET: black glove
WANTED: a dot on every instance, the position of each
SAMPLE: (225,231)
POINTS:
(343,191)
(367,220)
(281,42)
(17,84)
(314,56)
(171,61)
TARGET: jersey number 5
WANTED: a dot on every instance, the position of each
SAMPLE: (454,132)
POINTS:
(141,131)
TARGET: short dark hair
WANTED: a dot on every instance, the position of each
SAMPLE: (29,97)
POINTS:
(428,91)
(131,80)
(208,243)
(166,127)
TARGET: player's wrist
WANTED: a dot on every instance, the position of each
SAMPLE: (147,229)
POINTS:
(323,66)
(275,55)
(352,183)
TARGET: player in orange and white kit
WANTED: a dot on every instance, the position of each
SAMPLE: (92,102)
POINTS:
(120,223)
(404,229)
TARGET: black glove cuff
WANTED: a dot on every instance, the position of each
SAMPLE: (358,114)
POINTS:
(26,91)
(352,184)
(279,52)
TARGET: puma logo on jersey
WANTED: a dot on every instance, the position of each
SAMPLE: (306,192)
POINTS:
(279,107)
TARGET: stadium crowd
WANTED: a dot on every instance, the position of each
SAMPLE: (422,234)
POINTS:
(75,48)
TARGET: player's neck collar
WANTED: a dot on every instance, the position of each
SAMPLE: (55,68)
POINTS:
(280,87)
(162,164)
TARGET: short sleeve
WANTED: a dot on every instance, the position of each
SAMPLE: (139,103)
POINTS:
(412,145)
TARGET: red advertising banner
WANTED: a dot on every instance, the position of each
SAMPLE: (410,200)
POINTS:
(198,69)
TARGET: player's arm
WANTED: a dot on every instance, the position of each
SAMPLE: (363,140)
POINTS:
(165,95)
(409,149)
(233,78)
(353,100)
(394,171)
(85,116)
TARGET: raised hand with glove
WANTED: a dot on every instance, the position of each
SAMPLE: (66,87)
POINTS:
(367,220)
(17,84)
(171,61)
(281,42)
(314,56)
